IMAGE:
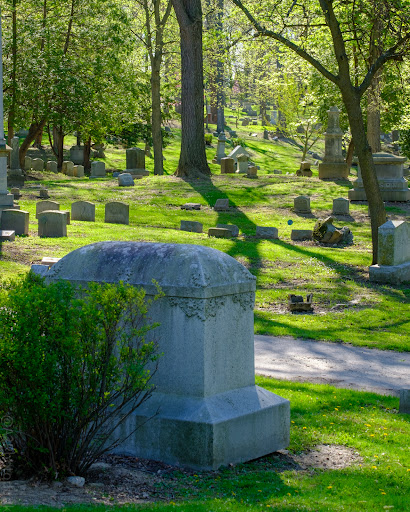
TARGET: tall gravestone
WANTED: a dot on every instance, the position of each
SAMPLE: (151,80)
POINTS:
(206,410)
(333,165)
(135,162)
(15,169)
(220,149)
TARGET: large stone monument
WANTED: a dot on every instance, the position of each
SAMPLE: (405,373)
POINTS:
(390,175)
(135,158)
(333,165)
(393,261)
(77,155)
(206,410)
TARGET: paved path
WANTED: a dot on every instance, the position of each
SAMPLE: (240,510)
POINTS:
(382,371)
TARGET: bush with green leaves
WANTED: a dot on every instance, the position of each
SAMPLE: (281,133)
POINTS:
(74,364)
(404,142)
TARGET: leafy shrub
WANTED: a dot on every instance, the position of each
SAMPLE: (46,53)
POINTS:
(73,367)
(404,142)
(239,142)
(208,139)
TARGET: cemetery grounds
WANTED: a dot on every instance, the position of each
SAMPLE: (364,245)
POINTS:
(365,461)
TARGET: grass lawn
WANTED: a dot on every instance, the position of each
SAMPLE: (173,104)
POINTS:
(375,476)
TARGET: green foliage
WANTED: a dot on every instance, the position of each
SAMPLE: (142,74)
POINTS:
(239,142)
(208,139)
(73,366)
(405,142)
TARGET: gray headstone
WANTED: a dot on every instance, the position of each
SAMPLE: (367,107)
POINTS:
(83,210)
(37,164)
(267,232)
(28,162)
(301,204)
(404,407)
(51,166)
(220,232)
(191,225)
(78,171)
(52,224)
(227,165)
(14,156)
(301,234)
(42,206)
(341,206)
(242,161)
(16,220)
(7,235)
(191,206)
(125,180)
(68,168)
(77,155)
(205,410)
(232,228)
(117,213)
(97,169)
(221,205)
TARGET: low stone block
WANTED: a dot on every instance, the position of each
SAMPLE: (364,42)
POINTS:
(37,164)
(16,192)
(78,171)
(40,270)
(67,212)
(138,173)
(7,235)
(232,228)
(98,170)
(252,171)
(220,232)
(221,205)
(390,274)
(191,225)
(404,407)
(52,224)
(42,206)
(301,204)
(125,180)
(83,210)
(68,168)
(191,206)
(117,213)
(43,193)
(267,232)
(227,165)
(49,261)
(298,235)
(341,206)
(51,166)
(16,220)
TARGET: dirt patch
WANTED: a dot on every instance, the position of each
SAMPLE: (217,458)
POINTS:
(121,479)
(330,457)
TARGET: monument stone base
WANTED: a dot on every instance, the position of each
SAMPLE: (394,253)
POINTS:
(359,194)
(206,433)
(391,274)
(137,172)
(333,171)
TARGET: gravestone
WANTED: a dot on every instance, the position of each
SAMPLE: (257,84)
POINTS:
(42,206)
(7,235)
(37,164)
(227,165)
(16,220)
(298,235)
(191,206)
(83,210)
(333,165)
(51,166)
(266,134)
(232,228)
(191,225)
(77,155)
(220,232)
(341,206)
(135,158)
(16,192)
(28,162)
(242,163)
(43,193)
(52,224)
(205,410)
(404,401)
(301,204)
(252,171)
(390,175)
(221,205)
(15,169)
(304,169)
(267,232)
(68,168)
(78,171)
(393,261)
(125,180)
(117,213)
(97,170)
(238,150)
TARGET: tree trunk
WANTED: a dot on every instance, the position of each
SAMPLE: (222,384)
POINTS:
(192,160)
(373,116)
(87,152)
(364,152)
(33,132)
(156,116)
(59,143)
(349,155)
(13,92)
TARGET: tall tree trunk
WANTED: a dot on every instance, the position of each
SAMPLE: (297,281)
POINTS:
(192,160)
(373,92)
(377,211)
(13,92)
(156,116)
(59,142)
(87,152)
(33,132)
